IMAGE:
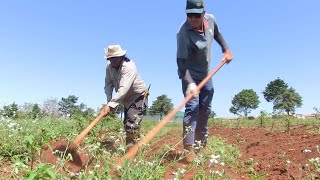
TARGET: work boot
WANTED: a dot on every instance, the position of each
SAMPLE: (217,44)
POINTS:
(131,139)
(190,156)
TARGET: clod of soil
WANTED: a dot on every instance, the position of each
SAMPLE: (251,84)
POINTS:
(60,148)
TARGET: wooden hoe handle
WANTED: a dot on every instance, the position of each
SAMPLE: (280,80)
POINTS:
(86,131)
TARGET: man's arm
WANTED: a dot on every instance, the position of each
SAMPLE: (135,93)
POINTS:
(227,55)
(182,56)
(219,38)
(184,71)
(108,87)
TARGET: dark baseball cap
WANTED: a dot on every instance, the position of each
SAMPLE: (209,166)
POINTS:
(195,6)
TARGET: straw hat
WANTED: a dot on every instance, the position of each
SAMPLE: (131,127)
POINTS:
(114,51)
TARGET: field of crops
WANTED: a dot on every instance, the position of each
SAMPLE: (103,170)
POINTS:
(284,148)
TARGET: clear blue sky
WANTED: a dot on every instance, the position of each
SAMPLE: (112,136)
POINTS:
(53,49)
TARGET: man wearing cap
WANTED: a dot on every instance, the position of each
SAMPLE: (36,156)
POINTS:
(122,76)
(194,41)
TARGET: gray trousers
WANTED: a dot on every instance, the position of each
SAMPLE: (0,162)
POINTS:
(133,115)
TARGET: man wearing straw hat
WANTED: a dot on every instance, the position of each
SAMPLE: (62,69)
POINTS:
(122,76)
(194,41)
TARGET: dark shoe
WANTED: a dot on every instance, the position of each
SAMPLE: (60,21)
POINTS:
(131,140)
(190,156)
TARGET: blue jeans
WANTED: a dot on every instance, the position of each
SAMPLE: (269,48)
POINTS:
(197,110)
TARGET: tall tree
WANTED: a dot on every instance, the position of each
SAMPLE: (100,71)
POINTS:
(35,112)
(273,89)
(244,102)
(89,113)
(288,101)
(26,107)
(10,110)
(212,114)
(233,110)
(161,105)
(25,110)
(67,105)
(77,109)
(50,108)
(317,111)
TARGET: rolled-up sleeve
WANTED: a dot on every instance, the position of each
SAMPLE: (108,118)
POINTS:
(219,38)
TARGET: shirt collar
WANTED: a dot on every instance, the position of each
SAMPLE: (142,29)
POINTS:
(204,26)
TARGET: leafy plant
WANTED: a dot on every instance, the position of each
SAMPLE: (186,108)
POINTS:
(10,111)
(161,105)
(244,102)
(32,147)
(288,101)
(42,171)
(274,88)
(262,118)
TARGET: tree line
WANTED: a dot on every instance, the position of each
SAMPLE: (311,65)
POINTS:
(66,107)
(284,99)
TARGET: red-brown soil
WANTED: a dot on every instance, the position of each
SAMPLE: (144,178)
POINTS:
(59,148)
(273,150)
(270,152)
